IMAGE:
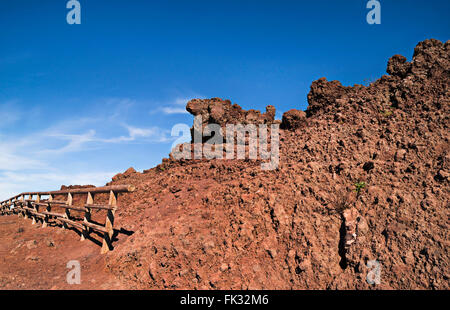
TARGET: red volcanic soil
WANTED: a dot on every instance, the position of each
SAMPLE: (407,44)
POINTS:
(227,224)
(35,258)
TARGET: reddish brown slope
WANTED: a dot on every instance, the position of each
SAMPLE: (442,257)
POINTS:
(228,224)
(35,258)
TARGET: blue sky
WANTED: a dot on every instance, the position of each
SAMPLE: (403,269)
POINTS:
(79,103)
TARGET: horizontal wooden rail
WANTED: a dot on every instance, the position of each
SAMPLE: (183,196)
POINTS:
(95,226)
(53,214)
(29,207)
(92,190)
(56,202)
(73,223)
(104,207)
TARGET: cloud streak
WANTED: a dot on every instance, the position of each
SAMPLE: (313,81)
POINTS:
(13,183)
(10,114)
(170,110)
(37,160)
(176,106)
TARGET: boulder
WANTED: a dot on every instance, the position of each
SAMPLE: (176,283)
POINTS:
(293,119)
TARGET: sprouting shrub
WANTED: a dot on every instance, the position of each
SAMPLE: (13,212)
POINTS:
(359,186)
(383,115)
(341,203)
(387,113)
(342,199)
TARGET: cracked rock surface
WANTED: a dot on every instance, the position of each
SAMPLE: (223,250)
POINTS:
(226,224)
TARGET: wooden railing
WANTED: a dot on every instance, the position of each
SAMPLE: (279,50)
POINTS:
(24,205)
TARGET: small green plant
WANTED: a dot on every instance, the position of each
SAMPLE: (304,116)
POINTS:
(359,186)
(387,113)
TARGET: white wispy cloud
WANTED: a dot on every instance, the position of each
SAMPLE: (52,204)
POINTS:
(119,106)
(151,134)
(35,161)
(13,162)
(170,110)
(184,101)
(9,113)
(175,106)
(75,144)
(13,183)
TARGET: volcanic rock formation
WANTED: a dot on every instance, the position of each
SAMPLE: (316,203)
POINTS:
(222,112)
(310,224)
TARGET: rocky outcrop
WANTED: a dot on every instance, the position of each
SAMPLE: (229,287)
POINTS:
(121,176)
(310,224)
(421,84)
(68,187)
(293,119)
(222,112)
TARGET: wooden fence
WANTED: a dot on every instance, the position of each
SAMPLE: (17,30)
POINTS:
(28,205)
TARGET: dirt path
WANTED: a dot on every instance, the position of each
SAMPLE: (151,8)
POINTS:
(32,257)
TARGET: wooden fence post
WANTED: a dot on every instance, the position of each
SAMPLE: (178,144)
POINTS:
(107,239)
(67,212)
(25,216)
(26,206)
(87,216)
(15,206)
(48,209)
(34,207)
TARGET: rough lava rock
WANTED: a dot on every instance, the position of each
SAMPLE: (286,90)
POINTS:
(68,187)
(226,224)
(120,176)
(222,112)
(293,119)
